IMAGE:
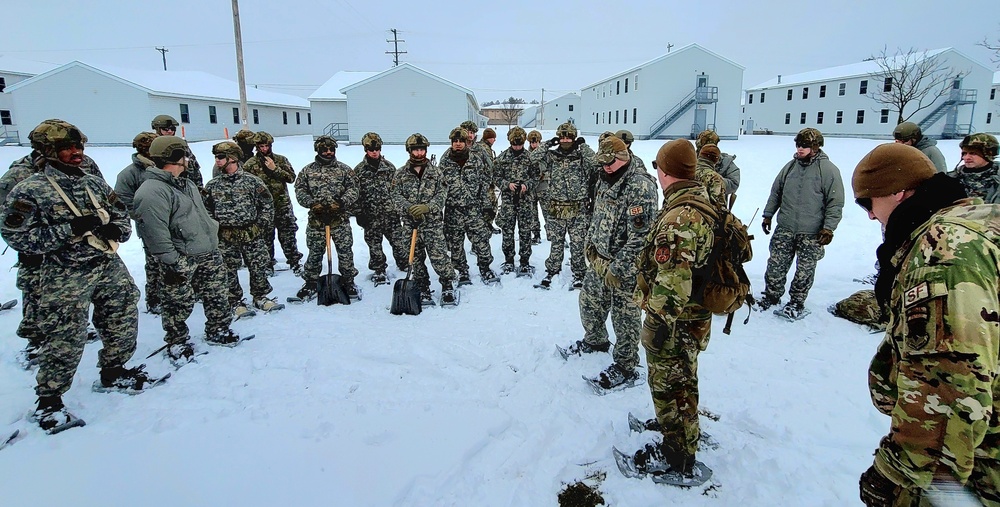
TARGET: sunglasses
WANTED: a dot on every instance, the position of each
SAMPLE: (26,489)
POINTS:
(865,202)
(372,149)
(803,145)
(220,157)
(169,128)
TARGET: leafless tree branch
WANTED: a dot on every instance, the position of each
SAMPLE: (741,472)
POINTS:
(916,81)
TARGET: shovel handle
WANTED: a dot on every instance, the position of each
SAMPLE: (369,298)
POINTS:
(413,244)
(329,252)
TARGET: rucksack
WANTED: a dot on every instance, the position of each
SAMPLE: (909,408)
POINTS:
(721,286)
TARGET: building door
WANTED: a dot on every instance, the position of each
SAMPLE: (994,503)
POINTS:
(702,81)
(700,120)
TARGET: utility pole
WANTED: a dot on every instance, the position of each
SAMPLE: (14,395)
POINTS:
(239,63)
(163,52)
(669,45)
(395,47)
(541,111)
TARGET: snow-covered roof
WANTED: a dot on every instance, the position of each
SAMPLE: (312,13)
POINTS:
(330,90)
(180,83)
(414,68)
(24,67)
(840,72)
(996,77)
(506,106)
(664,57)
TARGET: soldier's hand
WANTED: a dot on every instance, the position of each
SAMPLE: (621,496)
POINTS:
(269,163)
(418,211)
(765,225)
(333,206)
(876,490)
(611,280)
(580,140)
(172,275)
(552,142)
(825,237)
(84,224)
(513,187)
(108,232)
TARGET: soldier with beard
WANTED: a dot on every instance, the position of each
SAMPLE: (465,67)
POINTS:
(516,177)
(468,188)
(376,213)
(419,194)
(126,185)
(979,171)
(277,173)
(329,189)
(166,125)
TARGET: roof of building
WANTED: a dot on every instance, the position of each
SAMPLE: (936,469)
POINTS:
(850,70)
(174,83)
(407,66)
(664,57)
(330,90)
(996,77)
(24,67)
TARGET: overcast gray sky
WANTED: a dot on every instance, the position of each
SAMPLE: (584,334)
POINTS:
(495,48)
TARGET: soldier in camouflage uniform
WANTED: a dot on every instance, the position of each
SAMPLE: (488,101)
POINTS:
(69,219)
(861,308)
(534,141)
(489,137)
(628,138)
(468,185)
(675,329)
(376,212)
(624,208)
(419,194)
(177,229)
(567,174)
(242,205)
(246,139)
(277,173)
(127,183)
(936,372)
(909,133)
(329,189)
(713,182)
(166,125)
(979,171)
(809,192)
(485,152)
(726,166)
(516,177)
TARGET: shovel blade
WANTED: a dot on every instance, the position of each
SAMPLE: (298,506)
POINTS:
(329,292)
(405,298)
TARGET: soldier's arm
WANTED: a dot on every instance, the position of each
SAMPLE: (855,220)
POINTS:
(833,198)
(265,205)
(116,209)
(350,196)
(640,213)
(398,201)
(302,193)
(731,173)
(948,342)
(152,210)
(125,187)
(283,170)
(681,246)
(26,229)
(437,202)
(774,198)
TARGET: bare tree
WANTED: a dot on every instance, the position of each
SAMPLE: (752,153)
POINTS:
(992,46)
(510,111)
(909,81)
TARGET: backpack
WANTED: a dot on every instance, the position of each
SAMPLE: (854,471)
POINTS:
(721,286)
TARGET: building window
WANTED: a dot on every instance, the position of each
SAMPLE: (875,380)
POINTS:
(212,117)
(298,118)
(626,85)
(802,119)
(309,118)
(884,117)
(788,118)
(822,91)
(843,89)
(761,97)
(635,83)
(819,118)
(609,117)
(5,118)
(863,89)
(236,115)
(840,117)
(789,95)
(861,116)
(635,113)
(750,98)
(993,93)
(571,108)
(597,119)
(618,87)
(625,116)
(185,114)
(887,86)
(3,84)
(805,93)
(256,117)
(616,117)
(989,117)
(284,117)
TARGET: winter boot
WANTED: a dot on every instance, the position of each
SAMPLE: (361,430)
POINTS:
(426,298)
(577,282)
(766,301)
(52,416)
(536,239)
(659,458)
(92,334)
(507,267)
(180,353)
(307,292)
(351,289)
(379,278)
(526,270)
(617,377)
(226,338)
(463,279)
(581,347)
(267,305)
(488,277)
(296,268)
(447,293)
(793,310)
(547,281)
(241,311)
(125,380)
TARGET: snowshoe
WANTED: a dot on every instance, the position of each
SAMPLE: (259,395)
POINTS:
(581,347)
(613,378)
(305,294)
(267,305)
(765,302)
(352,290)
(868,279)
(488,277)
(379,278)
(700,474)
(706,441)
(577,283)
(227,338)
(9,440)
(8,305)
(526,271)
(449,296)
(464,280)
(181,354)
(52,416)
(426,299)
(546,282)
(792,312)
(241,311)
(126,380)
(507,268)
(280,266)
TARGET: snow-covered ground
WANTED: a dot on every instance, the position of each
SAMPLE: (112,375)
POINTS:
(472,406)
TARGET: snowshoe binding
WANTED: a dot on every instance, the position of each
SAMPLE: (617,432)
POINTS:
(580,348)
(463,280)
(546,282)
(526,271)
(507,267)
(52,416)
(488,277)
(379,278)
(449,296)
(792,311)
(305,294)
(227,338)
(242,311)
(126,380)
(613,378)
(267,305)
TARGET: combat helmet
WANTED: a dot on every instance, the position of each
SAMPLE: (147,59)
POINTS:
(566,130)
(809,137)
(371,141)
(163,121)
(907,131)
(322,142)
(142,141)
(459,134)
(54,134)
(982,143)
(228,148)
(166,149)
(516,135)
(706,137)
(245,136)
(416,140)
(534,136)
(470,126)
(263,138)
(626,136)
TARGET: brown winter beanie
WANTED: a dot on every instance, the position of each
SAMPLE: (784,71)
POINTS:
(711,153)
(891,168)
(489,134)
(677,158)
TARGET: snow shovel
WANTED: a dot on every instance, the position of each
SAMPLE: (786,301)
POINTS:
(405,294)
(328,289)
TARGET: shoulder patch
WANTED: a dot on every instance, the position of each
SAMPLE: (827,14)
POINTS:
(14,220)
(22,205)
(662,254)
(635,210)
(917,294)
(112,197)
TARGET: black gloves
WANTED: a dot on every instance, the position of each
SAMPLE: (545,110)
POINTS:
(580,140)
(109,232)
(876,490)
(552,142)
(825,237)
(172,275)
(765,225)
(84,224)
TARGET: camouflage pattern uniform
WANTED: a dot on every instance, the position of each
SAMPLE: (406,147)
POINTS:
(510,167)
(469,185)
(623,213)
(675,329)
(726,167)
(242,205)
(983,183)
(861,308)
(564,190)
(36,221)
(536,223)
(712,181)
(129,180)
(277,182)
(322,183)
(377,214)
(936,372)
(428,187)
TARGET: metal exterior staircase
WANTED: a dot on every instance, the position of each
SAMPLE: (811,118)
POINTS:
(337,131)
(700,95)
(950,107)
(8,136)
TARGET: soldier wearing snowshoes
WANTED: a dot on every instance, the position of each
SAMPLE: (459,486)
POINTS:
(241,203)
(328,188)
(469,185)
(624,209)
(935,373)
(567,171)
(516,177)
(277,173)
(419,194)
(375,211)
(979,171)
(534,141)
(177,229)
(166,125)
(127,183)
(676,328)
(808,197)
(71,222)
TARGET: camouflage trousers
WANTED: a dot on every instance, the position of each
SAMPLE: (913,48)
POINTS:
(28,277)
(534,223)
(555,231)
(673,378)
(518,216)
(208,280)
(343,240)
(253,253)
(286,227)
(399,242)
(64,308)
(430,243)
(462,222)
(154,281)
(596,301)
(785,246)
(490,214)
